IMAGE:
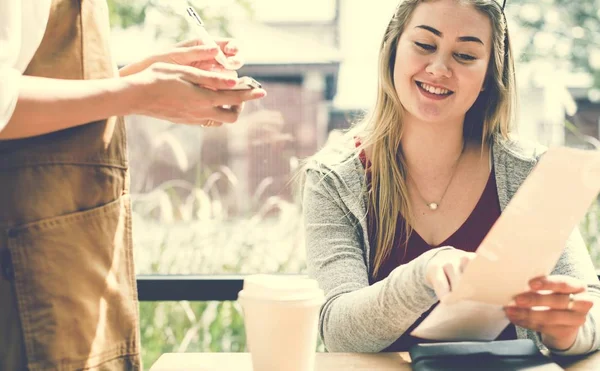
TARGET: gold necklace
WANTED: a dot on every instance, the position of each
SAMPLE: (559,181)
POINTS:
(435,205)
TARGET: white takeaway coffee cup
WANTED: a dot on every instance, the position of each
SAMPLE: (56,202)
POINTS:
(281,316)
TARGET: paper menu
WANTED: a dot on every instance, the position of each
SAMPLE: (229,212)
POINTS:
(464,320)
(528,238)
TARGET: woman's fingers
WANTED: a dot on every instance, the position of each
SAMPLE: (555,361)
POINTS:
(558,284)
(445,269)
(233,97)
(212,80)
(543,320)
(225,114)
(234,63)
(440,283)
(213,66)
(231,50)
(220,115)
(192,54)
(202,57)
(447,277)
(196,54)
(215,81)
(229,46)
(452,271)
(184,94)
(465,260)
(556,306)
(576,302)
(558,328)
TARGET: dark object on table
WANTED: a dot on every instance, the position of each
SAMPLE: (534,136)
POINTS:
(506,355)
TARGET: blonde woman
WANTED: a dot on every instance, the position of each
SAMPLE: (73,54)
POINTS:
(395,212)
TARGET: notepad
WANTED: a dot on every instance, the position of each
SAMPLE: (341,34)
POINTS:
(525,242)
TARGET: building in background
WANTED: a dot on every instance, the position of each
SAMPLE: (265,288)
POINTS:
(298,63)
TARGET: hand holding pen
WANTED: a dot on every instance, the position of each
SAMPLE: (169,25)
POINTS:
(182,85)
(198,25)
(227,63)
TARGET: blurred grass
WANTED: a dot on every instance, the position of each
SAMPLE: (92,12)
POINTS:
(190,327)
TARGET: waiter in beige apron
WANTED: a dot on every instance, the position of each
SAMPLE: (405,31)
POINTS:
(68,296)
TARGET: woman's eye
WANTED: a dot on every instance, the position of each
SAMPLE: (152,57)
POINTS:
(425,46)
(465,57)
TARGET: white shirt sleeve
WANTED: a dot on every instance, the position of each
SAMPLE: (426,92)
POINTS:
(22,27)
(10,47)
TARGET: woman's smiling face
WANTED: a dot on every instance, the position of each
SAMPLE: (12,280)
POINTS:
(442,59)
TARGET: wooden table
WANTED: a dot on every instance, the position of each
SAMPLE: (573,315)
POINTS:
(326,362)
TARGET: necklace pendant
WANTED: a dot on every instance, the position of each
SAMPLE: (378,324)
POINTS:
(433,206)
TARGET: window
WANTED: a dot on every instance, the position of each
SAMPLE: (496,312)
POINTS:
(222,201)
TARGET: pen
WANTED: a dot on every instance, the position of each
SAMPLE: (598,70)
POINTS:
(197,23)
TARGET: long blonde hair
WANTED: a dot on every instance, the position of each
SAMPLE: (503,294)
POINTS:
(381,131)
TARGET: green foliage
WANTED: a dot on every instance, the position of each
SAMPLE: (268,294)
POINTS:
(125,14)
(190,327)
(131,13)
(561,30)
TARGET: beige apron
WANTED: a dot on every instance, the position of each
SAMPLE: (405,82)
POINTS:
(68,297)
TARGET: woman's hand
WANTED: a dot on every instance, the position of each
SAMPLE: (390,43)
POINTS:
(192,53)
(183,54)
(190,72)
(184,94)
(444,270)
(556,307)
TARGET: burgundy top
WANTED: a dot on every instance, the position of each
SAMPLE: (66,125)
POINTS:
(467,237)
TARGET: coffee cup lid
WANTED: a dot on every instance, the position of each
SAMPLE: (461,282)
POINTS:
(281,287)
